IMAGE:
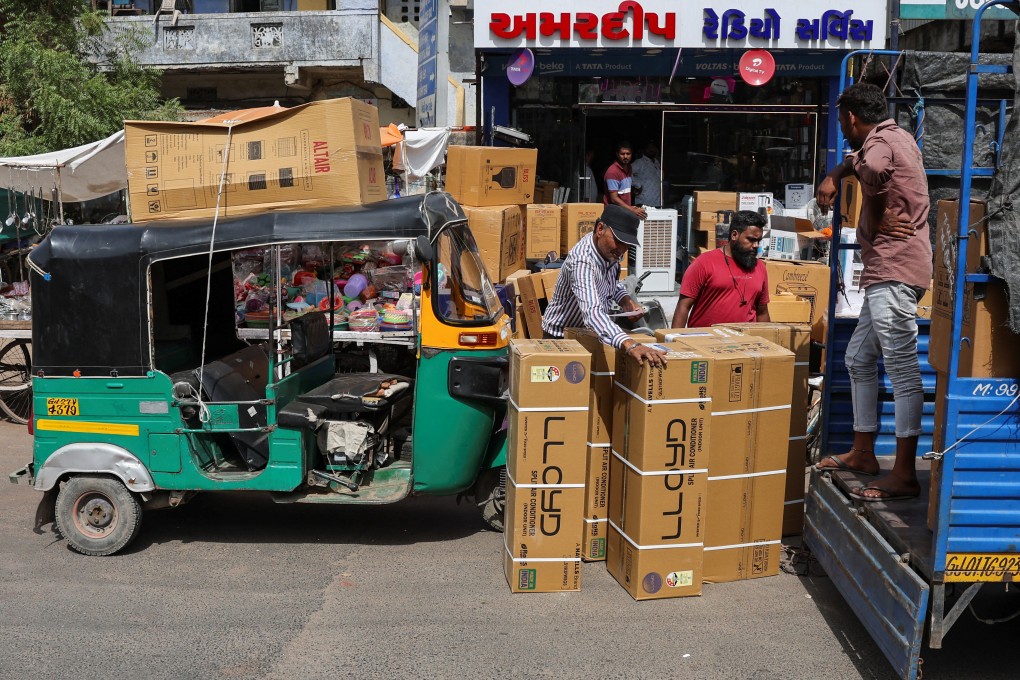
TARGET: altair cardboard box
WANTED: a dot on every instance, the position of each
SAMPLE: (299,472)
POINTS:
(653,573)
(499,235)
(807,280)
(850,201)
(490,175)
(796,482)
(992,348)
(313,156)
(541,230)
(546,464)
(752,388)
(578,219)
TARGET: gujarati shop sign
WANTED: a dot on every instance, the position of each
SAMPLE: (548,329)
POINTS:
(764,24)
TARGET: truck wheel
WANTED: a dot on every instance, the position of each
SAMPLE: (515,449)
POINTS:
(490,494)
(97,515)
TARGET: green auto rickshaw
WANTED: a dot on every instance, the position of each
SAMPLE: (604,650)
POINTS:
(155,378)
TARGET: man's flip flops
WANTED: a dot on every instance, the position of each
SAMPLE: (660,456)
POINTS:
(840,466)
(886,495)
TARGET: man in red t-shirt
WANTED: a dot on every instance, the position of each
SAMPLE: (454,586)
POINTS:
(729,284)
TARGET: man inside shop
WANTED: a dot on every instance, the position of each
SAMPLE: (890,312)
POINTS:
(620,182)
(590,278)
(728,284)
(647,177)
(897,257)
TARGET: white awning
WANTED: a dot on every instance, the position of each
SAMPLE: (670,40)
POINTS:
(79,174)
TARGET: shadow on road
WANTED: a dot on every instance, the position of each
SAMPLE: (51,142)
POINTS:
(251,517)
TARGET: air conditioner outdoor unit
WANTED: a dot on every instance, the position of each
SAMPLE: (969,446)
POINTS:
(657,252)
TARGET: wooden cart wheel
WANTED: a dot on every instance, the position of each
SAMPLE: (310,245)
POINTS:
(16,380)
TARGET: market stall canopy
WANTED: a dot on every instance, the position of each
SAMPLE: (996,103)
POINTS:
(82,173)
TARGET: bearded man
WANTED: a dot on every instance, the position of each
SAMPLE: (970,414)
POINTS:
(729,284)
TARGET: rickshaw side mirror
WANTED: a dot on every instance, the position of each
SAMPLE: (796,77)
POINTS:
(423,250)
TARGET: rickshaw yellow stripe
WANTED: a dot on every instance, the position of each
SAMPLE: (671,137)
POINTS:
(86,427)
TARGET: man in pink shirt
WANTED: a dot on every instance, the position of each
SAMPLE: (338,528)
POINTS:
(897,256)
(729,284)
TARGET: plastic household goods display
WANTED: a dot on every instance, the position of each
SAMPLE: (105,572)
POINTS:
(366,320)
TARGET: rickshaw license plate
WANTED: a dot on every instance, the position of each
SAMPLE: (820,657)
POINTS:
(62,406)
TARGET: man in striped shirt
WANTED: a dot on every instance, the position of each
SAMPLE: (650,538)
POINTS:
(589,279)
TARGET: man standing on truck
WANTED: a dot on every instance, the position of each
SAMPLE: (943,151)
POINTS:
(590,278)
(729,284)
(897,256)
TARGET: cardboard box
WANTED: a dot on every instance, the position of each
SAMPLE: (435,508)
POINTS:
(793,503)
(546,446)
(985,307)
(541,230)
(752,387)
(668,335)
(991,352)
(544,191)
(490,175)
(925,304)
(653,574)
(789,308)
(531,295)
(798,195)
(807,280)
(528,575)
(550,374)
(709,222)
(544,521)
(850,201)
(797,339)
(499,235)
(314,156)
(661,416)
(596,504)
(657,507)
(714,201)
(593,540)
(603,367)
(578,219)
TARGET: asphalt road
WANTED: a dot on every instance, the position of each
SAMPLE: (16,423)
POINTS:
(233,586)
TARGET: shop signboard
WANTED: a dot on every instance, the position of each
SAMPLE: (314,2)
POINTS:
(950,9)
(639,63)
(432,69)
(651,24)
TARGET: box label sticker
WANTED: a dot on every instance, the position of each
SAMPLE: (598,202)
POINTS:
(680,579)
(760,560)
(546,374)
(526,579)
(652,583)
(597,549)
(575,372)
(736,382)
(699,372)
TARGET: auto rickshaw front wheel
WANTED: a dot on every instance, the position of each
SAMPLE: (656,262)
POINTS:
(97,515)
(490,494)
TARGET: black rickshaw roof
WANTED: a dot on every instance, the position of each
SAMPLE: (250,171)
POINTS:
(90,313)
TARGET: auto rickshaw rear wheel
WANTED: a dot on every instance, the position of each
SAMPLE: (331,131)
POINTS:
(97,515)
(490,494)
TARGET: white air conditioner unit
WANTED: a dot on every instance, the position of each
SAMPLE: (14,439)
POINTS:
(657,252)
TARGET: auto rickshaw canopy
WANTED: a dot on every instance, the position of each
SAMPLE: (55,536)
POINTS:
(90,297)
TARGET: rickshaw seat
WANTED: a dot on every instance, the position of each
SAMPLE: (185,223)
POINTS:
(342,397)
(239,377)
(309,338)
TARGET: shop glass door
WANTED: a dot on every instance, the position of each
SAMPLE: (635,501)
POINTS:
(739,149)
